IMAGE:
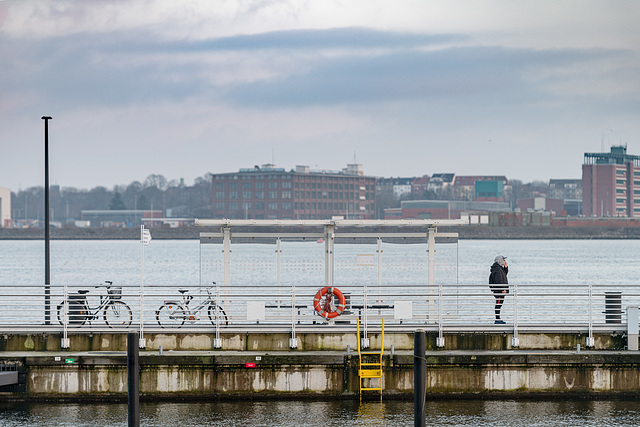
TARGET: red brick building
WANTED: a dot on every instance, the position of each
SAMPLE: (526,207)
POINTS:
(268,192)
(611,183)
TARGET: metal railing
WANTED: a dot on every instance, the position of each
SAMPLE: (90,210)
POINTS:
(443,308)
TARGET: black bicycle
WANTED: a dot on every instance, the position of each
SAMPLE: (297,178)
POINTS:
(76,310)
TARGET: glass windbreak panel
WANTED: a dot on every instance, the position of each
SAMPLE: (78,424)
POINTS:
(355,264)
(296,263)
(252,263)
(446,263)
(405,264)
(302,263)
(211,264)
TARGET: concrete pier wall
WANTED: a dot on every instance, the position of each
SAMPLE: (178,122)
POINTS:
(179,366)
(307,341)
(223,375)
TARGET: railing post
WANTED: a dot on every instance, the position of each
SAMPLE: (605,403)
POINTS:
(293,341)
(440,339)
(590,339)
(365,338)
(65,320)
(142,342)
(379,269)
(217,342)
(632,328)
(515,341)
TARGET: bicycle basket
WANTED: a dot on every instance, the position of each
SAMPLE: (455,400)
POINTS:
(115,292)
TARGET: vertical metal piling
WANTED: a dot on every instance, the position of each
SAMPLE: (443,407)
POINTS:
(133,379)
(419,378)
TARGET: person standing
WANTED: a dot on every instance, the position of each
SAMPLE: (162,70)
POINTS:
(498,284)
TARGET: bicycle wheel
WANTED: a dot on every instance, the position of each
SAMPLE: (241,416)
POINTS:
(170,316)
(222,316)
(76,316)
(117,313)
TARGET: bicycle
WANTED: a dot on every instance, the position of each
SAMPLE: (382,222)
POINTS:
(174,313)
(114,312)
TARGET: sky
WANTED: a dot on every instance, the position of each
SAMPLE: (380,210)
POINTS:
(404,87)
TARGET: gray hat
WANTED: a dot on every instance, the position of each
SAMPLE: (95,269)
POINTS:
(499,259)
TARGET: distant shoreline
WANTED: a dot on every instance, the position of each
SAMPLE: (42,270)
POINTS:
(465,233)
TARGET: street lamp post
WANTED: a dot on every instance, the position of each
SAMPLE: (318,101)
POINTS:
(47,268)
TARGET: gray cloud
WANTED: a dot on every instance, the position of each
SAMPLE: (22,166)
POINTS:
(452,73)
(373,66)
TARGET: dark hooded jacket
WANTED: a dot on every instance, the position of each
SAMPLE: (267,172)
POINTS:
(498,276)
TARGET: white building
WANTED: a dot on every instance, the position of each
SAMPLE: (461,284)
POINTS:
(5,207)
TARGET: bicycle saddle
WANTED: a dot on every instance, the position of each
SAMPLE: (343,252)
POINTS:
(83,291)
(183,291)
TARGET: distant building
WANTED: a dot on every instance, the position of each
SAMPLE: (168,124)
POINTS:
(541,204)
(5,207)
(440,181)
(611,183)
(480,187)
(420,185)
(396,187)
(119,218)
(442,209)
(565,188)
(267,192)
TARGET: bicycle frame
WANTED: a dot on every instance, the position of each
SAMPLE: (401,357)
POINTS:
(95,311)
(191,313)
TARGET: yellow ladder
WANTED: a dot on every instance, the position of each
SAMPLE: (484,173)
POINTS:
(372,366)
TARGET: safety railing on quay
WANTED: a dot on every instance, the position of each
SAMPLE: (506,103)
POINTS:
(292,309)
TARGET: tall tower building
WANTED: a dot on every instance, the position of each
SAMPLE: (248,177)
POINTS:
(611,183)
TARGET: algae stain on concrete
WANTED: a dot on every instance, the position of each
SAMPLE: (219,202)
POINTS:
(28,343)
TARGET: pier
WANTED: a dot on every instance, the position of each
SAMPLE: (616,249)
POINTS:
(250,327)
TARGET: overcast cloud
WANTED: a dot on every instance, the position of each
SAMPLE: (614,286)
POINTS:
(406,88)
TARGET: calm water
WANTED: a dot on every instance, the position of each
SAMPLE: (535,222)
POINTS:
(340,413)
(187,262)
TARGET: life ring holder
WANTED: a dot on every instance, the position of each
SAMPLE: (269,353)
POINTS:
(327,314)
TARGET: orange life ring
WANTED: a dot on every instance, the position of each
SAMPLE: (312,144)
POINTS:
(322,310)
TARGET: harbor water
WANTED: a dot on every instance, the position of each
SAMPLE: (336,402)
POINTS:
(186,262)
(474,413)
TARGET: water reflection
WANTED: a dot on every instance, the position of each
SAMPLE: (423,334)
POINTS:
(327,413)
